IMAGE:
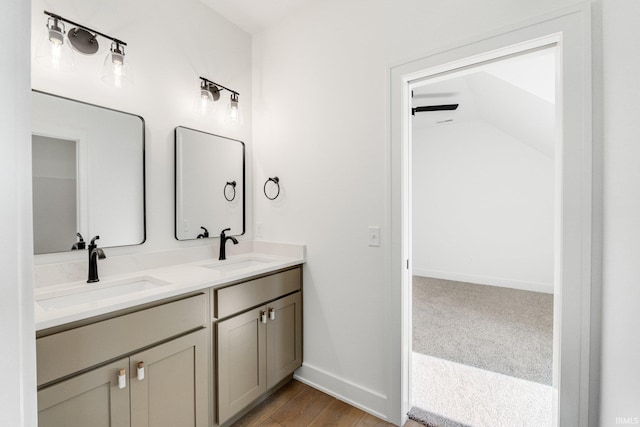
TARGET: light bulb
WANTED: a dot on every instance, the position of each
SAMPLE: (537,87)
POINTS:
(116,71)
(56,36)
(52,51)
(234,113)
(207,95)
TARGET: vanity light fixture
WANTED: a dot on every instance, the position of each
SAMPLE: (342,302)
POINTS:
(234,114)
(56,50)
(210,92)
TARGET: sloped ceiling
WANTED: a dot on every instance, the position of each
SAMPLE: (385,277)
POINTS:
(516,95)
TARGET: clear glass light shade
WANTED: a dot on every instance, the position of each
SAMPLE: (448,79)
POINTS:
(208,94)
(234,112)
(116,71)
(204,102)
(54,50)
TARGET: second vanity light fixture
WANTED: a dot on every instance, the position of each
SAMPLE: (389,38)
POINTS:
(55,50)
(210,93)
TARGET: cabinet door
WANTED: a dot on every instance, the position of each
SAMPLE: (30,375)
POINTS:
(241,350)
(284,338)
(90,399)
(173,389)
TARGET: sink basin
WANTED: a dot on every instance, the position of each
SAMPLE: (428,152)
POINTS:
(99,292)
(236,265)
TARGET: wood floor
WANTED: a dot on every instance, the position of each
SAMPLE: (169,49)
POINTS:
(298,405)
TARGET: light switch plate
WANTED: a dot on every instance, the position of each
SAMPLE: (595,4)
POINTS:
(374,235)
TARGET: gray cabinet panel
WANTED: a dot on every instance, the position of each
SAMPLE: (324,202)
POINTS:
(174,389)
(90,399)
(236,298)
(284,338)
(241,352)
(71,351)
(254,356)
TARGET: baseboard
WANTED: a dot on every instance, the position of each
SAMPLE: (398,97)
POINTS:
(344,390)
(546,288)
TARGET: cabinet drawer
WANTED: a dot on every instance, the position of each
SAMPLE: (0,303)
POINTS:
(243,296)
(66,352)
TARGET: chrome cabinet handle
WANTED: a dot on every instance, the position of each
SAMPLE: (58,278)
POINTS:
(272,314)
(263,316)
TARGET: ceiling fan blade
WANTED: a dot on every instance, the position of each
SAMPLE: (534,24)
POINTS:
(445,107)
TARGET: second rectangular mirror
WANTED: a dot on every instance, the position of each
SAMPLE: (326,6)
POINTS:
(209,185)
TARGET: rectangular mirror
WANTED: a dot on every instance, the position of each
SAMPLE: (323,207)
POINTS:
(88,175)
(209,185)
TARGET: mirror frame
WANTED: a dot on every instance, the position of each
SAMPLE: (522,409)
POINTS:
(175,182)
(144,169)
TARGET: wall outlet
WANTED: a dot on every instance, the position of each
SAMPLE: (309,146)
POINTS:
(374,235)
(258,229)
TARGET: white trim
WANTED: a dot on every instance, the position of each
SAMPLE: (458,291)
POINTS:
(572,29)
(502,282)
(344,390)
(18,402)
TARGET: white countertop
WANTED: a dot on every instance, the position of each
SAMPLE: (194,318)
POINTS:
(166,282)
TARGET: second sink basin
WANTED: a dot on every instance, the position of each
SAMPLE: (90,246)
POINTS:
(240,264)
(99,292)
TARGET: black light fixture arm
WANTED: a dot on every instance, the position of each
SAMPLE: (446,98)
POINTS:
(60,18)
(219,86)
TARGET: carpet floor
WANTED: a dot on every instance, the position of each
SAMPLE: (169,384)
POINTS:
(502,330)
(449,394)
(482,355)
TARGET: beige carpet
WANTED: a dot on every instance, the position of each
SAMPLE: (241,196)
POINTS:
(503,330)
(482,355)
(476,397)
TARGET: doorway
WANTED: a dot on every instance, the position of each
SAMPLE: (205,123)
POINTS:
(482,150)
(569,31)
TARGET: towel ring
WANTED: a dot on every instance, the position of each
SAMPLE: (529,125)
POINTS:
(231,184)
(276,181)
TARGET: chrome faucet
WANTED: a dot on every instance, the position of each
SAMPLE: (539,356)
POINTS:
(223,243)
(95,253)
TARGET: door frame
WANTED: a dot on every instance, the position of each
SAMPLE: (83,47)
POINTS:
(570,30)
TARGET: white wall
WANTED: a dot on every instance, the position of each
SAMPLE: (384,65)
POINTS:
(482,207)
(620,390)
(17,353)
(169,45)
(321,84)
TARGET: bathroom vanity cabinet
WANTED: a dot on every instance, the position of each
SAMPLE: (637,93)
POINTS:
(258,329)
(146,368)
(192,360)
